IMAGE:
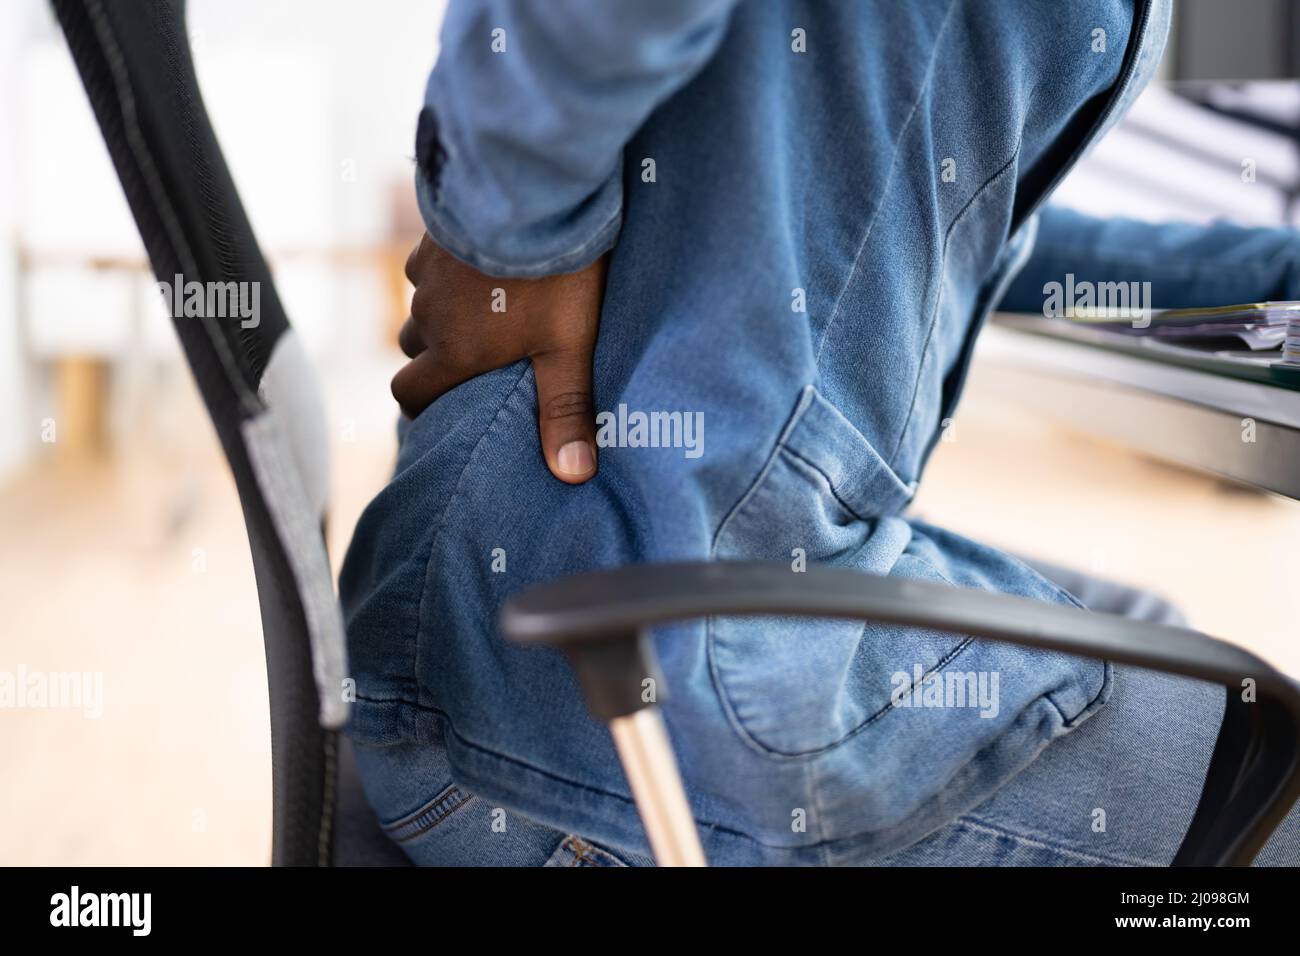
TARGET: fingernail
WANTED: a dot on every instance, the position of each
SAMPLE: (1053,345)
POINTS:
(575,458)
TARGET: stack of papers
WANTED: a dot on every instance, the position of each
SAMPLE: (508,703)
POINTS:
(1291,347)
(1260,325)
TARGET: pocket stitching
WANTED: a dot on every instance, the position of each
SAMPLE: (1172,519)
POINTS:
(830,483)
(719,683)
(738,723)
(397,830)
(801,406)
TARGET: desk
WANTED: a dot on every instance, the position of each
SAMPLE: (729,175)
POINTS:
(1196,412)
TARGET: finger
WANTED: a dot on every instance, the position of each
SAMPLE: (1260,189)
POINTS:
(416,258)
(422,381)
(566,415)
(433,372)
(409,338)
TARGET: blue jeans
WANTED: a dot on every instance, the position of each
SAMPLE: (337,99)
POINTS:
(802,271)
(1119,791)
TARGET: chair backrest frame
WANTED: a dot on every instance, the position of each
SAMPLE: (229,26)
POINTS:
(135,63)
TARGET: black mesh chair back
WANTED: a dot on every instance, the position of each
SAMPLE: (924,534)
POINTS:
(135,63)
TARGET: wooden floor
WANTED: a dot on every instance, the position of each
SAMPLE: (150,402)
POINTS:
(136,566)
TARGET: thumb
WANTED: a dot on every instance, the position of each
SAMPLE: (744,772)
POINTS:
(566,414)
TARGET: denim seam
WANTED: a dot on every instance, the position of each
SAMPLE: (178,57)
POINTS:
(1068,722)
(974,823)
(1060,711)
(448,796)
(830,484)
(446,718)
(938,302)
(541,771)
(746,735)
(806,397)
(432,815)
(436,537)
(889,179)
(804,402)
(587,788)
(815,798)
(385,700)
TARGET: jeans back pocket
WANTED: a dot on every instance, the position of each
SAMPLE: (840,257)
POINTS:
(797,687)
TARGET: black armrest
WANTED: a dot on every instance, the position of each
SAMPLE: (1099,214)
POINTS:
(1254,776)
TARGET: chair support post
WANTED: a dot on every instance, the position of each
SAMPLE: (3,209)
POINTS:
(656,783)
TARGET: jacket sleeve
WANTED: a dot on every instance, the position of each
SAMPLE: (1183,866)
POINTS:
(520,143)
(1187,265)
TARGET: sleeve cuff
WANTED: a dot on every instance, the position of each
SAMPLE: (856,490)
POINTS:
(487,235)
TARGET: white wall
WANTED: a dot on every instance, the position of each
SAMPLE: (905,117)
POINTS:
(315,105)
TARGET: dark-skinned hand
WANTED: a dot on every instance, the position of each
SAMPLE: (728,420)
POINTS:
(454,334)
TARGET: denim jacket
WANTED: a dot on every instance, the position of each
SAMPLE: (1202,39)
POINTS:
(811,207)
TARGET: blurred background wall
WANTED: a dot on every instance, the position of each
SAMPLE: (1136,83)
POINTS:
(315,115)
(122,550)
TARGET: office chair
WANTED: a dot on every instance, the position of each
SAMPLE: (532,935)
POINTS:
(134,60)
